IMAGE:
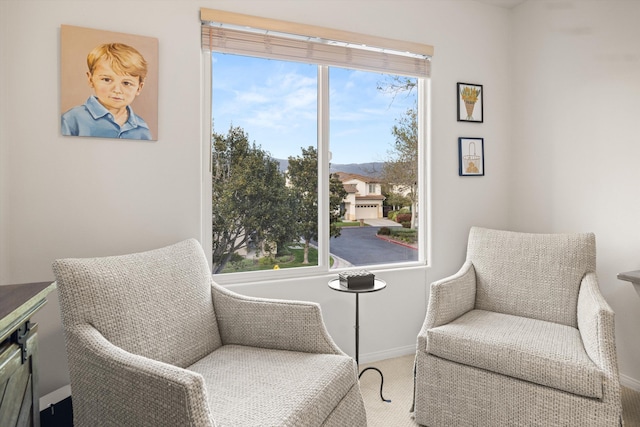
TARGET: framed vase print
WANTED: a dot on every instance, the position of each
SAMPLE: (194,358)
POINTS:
(471,156)
(470,100)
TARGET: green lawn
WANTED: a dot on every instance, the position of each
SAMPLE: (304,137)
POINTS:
(293,258)
(348,224)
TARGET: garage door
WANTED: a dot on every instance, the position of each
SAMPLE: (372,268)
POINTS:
(366,211)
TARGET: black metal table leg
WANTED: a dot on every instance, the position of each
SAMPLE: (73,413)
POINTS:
(381,381)
(358,351)
(378,285)
(357,329)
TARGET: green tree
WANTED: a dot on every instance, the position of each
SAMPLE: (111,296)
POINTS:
(251,203)
(401,168)
(337,194)
(394,199)
(303,179)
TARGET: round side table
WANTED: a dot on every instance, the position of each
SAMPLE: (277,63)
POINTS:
(378,285)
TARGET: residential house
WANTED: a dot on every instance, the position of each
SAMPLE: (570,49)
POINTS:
(364,196)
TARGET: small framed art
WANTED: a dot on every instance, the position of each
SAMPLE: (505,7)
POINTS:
(470,101)
(471,156)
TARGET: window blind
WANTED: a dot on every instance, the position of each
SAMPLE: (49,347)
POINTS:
(267,38)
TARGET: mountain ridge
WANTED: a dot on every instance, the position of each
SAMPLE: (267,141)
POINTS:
(370,169)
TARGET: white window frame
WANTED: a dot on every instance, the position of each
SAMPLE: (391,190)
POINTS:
(324,155)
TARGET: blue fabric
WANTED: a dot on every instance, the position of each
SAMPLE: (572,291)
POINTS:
(93,119)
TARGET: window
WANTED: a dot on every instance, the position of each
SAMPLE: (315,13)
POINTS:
(314,166)
(265,164)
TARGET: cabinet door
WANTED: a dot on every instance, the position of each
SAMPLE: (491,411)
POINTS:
(17,385)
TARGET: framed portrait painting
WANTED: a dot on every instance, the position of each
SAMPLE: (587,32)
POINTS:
(471,156)
(108,84)
(470,103)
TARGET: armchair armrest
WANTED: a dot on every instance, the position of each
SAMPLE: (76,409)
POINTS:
(106,376)
(449,298)
(597,330)
(596,325)
(271,323)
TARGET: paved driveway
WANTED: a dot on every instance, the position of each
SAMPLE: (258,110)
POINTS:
(381,222)
(359,246)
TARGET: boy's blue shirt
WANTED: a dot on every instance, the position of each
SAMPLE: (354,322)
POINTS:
(93,119)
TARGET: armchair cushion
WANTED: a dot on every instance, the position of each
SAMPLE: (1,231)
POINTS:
(255,386)
(533,350)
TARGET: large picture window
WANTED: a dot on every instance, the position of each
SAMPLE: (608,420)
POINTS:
(314,166)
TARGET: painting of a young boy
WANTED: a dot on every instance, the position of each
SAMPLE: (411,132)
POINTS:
(116,74)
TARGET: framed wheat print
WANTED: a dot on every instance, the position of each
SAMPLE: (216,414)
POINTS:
(470,103)
(471,156)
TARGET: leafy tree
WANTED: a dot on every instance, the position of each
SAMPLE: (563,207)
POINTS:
(303,179)
(401,168)
(251,203)
(337,193)
(394,199)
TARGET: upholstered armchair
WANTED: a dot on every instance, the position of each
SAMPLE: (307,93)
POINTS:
(519,336)
(153,341)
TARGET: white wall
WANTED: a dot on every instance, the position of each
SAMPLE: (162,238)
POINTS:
(77,197)
(576,142)
(4,162)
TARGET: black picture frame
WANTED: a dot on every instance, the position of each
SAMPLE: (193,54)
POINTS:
(470,156)
(470,102)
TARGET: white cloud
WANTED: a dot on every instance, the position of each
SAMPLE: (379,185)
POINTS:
(276,104)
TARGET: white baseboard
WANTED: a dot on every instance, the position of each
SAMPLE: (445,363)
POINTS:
(629,382)
(387,354)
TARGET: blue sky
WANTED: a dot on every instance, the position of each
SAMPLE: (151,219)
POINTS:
(275,102)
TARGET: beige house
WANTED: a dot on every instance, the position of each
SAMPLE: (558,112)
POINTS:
(364,196)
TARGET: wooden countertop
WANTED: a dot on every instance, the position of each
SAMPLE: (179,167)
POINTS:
(18,302)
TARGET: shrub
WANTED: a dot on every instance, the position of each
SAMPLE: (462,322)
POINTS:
(236,257)
(384,231)
(406,224)
(403,217)
(266,261)
(405,234)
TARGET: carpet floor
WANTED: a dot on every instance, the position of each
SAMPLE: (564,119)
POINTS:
(398,387)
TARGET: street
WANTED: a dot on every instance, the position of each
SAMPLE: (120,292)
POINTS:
(360,246)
